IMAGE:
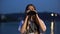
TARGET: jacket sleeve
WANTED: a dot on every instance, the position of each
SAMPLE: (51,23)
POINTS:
(20,25)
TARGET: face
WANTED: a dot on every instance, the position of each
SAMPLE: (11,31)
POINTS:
(31,8)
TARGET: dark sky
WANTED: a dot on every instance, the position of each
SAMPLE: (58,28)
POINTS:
(18,6)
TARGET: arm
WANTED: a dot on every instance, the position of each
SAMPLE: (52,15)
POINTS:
(23,29)
(41,23)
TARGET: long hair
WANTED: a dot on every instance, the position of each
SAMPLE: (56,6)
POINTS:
(28,9)
(26,12)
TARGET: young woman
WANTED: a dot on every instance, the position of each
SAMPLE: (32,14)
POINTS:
(32,24)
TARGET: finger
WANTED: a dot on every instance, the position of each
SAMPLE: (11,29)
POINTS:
(28,11)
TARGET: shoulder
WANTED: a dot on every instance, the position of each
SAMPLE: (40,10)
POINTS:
(21,22)
(20,25)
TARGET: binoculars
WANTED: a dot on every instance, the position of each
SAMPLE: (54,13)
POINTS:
(31,13)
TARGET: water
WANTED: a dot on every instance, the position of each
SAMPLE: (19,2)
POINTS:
(12,28)
(9,28)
